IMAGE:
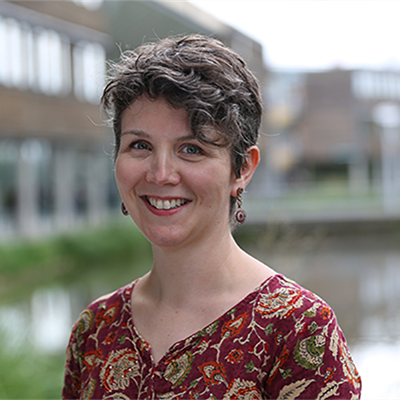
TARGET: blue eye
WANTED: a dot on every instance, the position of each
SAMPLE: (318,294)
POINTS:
(140,145)
(192,149)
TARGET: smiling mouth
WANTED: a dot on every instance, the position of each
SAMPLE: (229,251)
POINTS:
(166,204)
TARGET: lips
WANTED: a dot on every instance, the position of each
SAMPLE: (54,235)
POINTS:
(169,204)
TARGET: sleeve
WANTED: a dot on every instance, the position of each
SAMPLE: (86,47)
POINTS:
(74,355)
(71,374)
(313,360)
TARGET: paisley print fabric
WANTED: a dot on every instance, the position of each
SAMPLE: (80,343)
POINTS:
(280,342)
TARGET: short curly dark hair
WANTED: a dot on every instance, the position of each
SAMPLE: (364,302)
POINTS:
(197,73)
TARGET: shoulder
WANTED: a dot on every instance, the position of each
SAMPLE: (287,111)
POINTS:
(307,340)
(296,313)
(101,312)
(95,328)
(283,298)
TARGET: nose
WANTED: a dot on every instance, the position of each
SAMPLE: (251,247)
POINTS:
(163,170)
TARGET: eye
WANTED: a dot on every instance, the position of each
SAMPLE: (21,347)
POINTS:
(140,145)
(192,149)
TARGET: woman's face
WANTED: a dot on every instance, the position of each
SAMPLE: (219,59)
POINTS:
(175,188)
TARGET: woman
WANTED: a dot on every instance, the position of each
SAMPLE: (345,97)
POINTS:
(208,320)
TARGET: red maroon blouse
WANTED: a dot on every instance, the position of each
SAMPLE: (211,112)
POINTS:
(280,342)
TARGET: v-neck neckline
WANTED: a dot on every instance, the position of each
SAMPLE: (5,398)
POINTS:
(185,341)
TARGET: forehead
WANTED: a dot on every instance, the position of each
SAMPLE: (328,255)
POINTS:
(155,115)
(151,115)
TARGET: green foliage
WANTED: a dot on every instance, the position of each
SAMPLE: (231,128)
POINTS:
(104,258)
(25,374)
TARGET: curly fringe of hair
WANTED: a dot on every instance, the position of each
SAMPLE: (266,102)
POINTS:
(197,73)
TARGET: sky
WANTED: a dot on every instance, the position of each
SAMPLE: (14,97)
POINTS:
(318,34)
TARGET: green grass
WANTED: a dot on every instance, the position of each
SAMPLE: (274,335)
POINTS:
(104,257)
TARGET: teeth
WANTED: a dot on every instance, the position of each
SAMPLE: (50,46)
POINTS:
(166,204)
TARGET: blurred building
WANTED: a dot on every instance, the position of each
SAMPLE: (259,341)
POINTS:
(51,73)
(326,124)
(133,23)
(55,173)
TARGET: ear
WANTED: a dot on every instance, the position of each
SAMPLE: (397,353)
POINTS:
(249,166)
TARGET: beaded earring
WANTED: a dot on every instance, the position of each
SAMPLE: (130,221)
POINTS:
(124,210)
(240,214)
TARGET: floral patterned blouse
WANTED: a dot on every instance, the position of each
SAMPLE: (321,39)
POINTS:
(280,342)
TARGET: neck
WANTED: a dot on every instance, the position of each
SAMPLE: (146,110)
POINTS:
(209,269)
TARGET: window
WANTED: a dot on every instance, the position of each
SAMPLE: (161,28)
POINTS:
(40,59)
(363,84)
(37,58)
(89,70)
(11,65)
(3,51)
(50,61)
(376,85)
(8,172)
(31,58)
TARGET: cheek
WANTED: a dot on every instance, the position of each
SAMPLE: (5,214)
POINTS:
(124,174)
(218,180)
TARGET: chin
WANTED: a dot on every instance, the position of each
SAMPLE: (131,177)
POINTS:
(165,237)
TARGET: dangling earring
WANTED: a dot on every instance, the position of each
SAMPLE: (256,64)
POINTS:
(240,214)
(124,210)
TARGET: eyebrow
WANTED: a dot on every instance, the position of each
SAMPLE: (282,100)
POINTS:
(144,134)
(136,133)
